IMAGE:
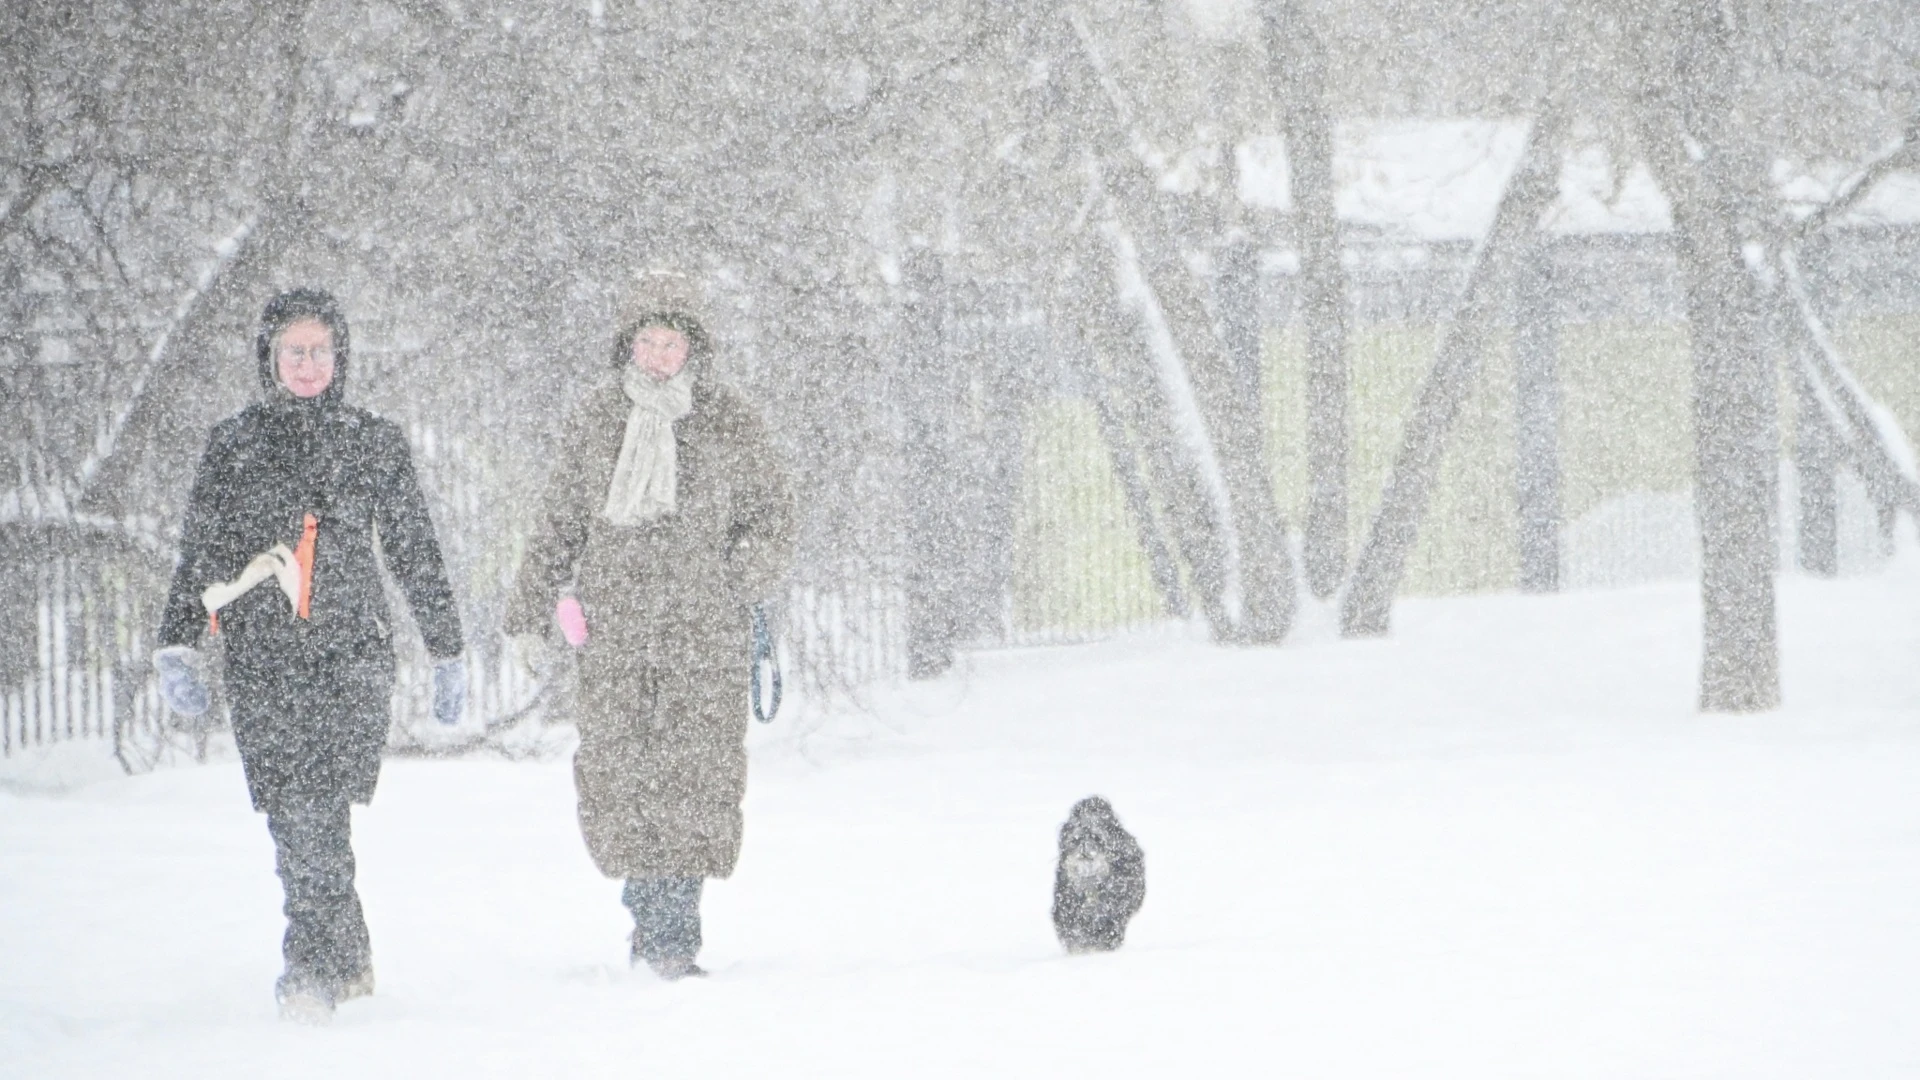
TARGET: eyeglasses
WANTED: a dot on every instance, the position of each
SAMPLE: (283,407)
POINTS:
(319,354)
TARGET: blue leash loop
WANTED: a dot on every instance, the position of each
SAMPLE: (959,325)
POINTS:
(764,659)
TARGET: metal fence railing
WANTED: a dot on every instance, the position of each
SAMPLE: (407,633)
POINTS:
(1074,569)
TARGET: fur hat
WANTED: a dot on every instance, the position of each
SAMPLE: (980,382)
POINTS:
(669,298)
(661,292)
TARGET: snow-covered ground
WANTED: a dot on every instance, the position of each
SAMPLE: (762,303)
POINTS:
(1500,843)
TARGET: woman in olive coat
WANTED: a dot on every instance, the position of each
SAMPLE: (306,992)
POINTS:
(668,518)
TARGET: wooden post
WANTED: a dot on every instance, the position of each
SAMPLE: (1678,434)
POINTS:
(1537,419)
(1817,451)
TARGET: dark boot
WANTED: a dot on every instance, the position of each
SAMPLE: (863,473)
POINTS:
(360,985)
(304,997)
(666,924)
(676,968)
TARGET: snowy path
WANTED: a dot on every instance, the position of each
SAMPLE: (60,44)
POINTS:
(1498,844)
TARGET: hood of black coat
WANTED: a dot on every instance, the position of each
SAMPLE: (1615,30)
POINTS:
(284,310)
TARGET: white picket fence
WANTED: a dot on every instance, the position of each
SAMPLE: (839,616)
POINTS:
(89,676)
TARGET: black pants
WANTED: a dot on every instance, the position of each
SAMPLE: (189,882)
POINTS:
(326,944)
(666,917)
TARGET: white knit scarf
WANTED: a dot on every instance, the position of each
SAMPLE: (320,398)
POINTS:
(643,479)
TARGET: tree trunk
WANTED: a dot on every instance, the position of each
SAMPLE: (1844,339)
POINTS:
(1736,436)
(1001,352)
(1735,443)
(1368,605)
(1296,59)
(931,468)
(1536,349)
(1237,298)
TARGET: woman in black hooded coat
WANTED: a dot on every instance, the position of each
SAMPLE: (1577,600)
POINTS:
(294,491)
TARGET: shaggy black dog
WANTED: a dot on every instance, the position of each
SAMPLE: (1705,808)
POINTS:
(1101,881)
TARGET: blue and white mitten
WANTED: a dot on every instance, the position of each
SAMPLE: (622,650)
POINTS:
(182,686)
(449,690)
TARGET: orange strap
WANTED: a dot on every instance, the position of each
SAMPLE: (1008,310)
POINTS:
(303,555)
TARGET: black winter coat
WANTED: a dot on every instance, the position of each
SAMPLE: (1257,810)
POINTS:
(310,698)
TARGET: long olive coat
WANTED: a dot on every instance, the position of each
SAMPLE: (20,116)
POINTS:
(663,677)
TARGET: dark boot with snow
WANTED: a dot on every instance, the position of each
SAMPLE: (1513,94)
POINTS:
(675,968)
(666,924)
(360,985)
(305,997)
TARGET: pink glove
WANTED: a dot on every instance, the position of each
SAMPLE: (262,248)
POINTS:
(573,621)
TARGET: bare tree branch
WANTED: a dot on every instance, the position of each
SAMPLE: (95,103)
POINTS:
(1903,154)
(1845,402)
